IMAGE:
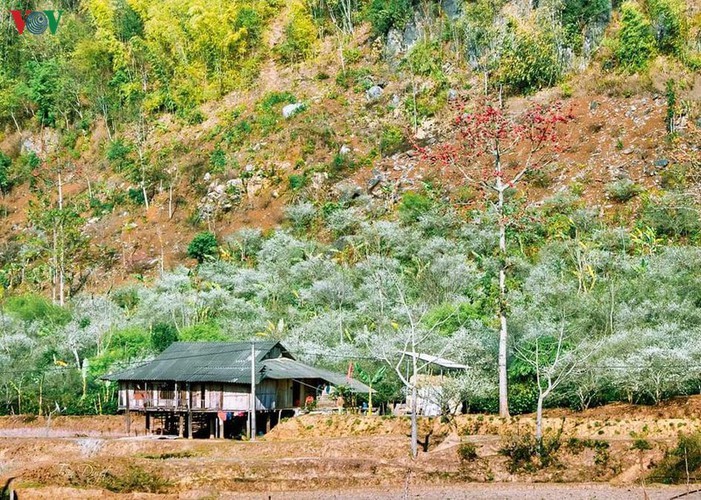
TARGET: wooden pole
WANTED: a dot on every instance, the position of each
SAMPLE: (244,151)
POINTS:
(148,423)
(210,419)
(180,425)
(127,415)
(253,391)
(189,413)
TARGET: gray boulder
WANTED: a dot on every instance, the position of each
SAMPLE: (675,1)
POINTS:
(292,109)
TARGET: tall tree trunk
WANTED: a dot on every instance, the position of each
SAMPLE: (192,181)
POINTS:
(414,423)
(503,332)
(414,407)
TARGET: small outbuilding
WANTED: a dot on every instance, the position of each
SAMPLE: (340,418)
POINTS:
(208,389)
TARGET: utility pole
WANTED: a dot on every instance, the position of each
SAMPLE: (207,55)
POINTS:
(253,391)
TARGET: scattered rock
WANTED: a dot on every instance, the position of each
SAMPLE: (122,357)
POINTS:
(661,163)
(374,93)
(319,180)
(396,101)
(593,105)
(292,109)
(344,150)
(628,151)
(375,180)
(452,94)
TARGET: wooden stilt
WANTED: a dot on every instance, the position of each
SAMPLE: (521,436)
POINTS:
(180,425)
(267,422)
(148,423)
(221,428)
(210,419)
(127,413)
(189,412)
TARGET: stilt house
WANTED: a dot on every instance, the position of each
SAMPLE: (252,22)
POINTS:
(207,389)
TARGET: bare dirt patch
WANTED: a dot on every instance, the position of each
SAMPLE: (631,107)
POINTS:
(349,456)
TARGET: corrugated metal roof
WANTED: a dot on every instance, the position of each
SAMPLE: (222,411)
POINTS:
(285,368)
(435,360)
(227,362)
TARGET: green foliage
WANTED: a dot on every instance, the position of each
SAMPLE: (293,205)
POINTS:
(36,308)
(578,14)
(133,479)
(387,14)
(467,452)
(217,160)
(672,215)
(668,22)
(529,61)
(300,36)
(684,459)
(162,336)
(426,58)
(525,453)
(641,444)
(203,332)
(119,154)
(297,181)
(136,196)
(448,318)
(203,246)
(636,43)
(5,181)
(392,140)
(358,78)
(623,190)
(414,205)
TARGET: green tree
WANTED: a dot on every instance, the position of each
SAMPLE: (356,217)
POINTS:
(636,43)
(162,336)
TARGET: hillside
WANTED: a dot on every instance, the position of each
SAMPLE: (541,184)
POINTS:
(277,169)
(235,162)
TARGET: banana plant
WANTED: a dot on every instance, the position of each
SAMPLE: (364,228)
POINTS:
(370,381)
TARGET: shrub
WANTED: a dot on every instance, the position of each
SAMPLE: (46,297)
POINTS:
(672,215)
(132,480)
(203,246)
(297,181)
(413,206)
(301,215)
(635,44)
(529,62)
(387,14)
(203,332)
(119,154)
(300,35)
(392,140)
(641,444)
(668,24)
(467,452)
(162,336)
(577,14)
(217,160)
(684,459)
(5,182)
(622,190)
(136,196)
(36,308)
(526,454)
(425,59)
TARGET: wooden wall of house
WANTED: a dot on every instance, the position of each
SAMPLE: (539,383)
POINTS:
(270,395)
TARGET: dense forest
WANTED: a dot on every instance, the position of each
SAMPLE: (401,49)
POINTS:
(298,171)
